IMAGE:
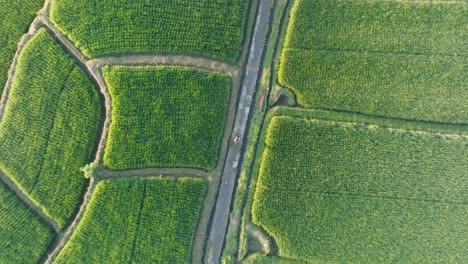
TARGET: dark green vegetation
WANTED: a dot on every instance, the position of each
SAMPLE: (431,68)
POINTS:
(403,59)
(165,117)
(16,15)
(49,127)
(24,237)
(138,221)
(212,28)
(337,191)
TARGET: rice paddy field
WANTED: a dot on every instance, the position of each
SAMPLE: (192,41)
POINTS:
(25,238)
(332,190)
(370,167)
(404,59)
(50,127)
(165,116)
(149,220)
(211,28)
(76,182)
(16,15)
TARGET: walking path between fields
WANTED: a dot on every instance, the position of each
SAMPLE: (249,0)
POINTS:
(63,238)
(179,60)
(230,171)
(105,174)
(27,200)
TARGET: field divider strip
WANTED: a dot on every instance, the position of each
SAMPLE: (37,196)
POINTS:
(370,196)
(29,202)
(63,239)
(331,50)
(35,25)
(96,78)
(69,47)
(156,60)
(93,72)
(96,74)
(107,174)
(346,117)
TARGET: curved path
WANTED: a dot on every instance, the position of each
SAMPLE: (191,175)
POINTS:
(27,200)
(63,238)
(230,171)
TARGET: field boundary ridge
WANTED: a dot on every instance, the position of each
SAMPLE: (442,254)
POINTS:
(29,202)
(338,116)
(63,238)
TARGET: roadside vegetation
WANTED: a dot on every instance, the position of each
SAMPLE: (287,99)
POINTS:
(25,238)
(337,191)
(16,16)
(165,116)
(392,58)
(149,220)
(50,127)
(211,28)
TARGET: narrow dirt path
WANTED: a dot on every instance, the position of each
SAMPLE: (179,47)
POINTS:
(180,60)
(106,174)
(96,74)
(53,252)
(25,198)
(230,171)
(36,24)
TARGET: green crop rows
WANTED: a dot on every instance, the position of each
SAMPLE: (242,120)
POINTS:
(410,27)
(16,15)
(165,117)
(138,221)
(212,28)
(336,191)
(401,59)
(412,86)
(49,127)
(24,237)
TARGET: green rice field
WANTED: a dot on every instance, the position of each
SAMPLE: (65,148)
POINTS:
(165,116)
(350,191)
(25,238)
(148,220)
(16,15)
(404,59)
(50,127)
(211,28)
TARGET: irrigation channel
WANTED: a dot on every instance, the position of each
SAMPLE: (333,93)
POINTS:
(231,166)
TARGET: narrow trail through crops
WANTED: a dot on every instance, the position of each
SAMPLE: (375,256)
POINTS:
(36,24)
(69,231)
(179,60)
(223,204)
(106,174)
(27,200)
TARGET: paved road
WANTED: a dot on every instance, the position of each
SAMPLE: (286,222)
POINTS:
(230,171)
